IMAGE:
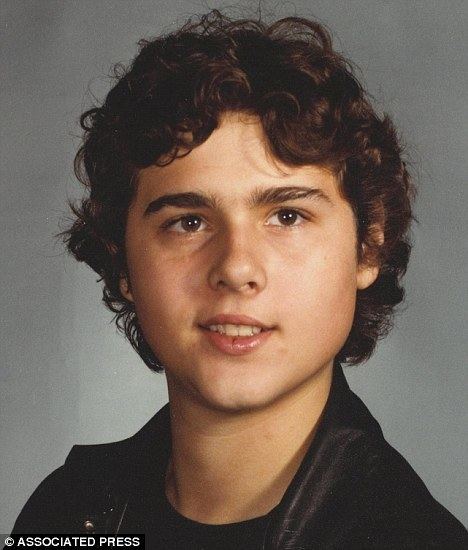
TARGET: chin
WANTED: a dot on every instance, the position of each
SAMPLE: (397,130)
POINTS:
(238,397)
(236,405)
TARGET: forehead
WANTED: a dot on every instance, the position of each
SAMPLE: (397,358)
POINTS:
(233,160)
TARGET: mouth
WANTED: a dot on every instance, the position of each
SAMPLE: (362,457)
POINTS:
(237,331)
(236,334)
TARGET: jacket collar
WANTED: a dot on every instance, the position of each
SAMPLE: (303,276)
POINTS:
(328,469)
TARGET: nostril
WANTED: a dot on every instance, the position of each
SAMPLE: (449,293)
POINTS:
(237,276)
(247,286)
(238,288)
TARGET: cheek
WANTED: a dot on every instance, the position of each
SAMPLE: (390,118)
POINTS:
(321,287)
(162,288)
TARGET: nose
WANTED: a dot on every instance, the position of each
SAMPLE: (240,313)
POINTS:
(238,264)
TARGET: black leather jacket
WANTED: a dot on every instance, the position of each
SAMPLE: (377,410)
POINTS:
(352,490)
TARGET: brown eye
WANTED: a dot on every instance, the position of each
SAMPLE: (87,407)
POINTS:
(287,217)
(186,224)
(191,223)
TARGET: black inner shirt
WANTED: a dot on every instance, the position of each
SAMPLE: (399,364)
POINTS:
(152,514)
(184,533)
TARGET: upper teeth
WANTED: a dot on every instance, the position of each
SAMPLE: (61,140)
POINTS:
(236,330)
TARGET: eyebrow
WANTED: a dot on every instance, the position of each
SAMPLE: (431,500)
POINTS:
(276,195)
(259,197)
(181,200)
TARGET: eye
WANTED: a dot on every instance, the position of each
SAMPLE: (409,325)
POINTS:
(189,223)
(287,217)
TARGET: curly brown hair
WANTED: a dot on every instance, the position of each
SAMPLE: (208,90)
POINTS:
(312,109)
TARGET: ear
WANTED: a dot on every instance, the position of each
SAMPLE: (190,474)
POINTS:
(368,268)
(124,286)
(366,275)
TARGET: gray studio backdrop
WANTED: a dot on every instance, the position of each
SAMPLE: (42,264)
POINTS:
(67,377)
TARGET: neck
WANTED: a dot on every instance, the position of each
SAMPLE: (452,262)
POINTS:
(228,467)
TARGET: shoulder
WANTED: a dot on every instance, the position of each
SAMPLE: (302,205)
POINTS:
(63,500)
(373,492)
(44,508)
(91,484)
(395,505)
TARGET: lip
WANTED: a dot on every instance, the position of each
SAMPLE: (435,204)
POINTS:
(235,345)
(234,319)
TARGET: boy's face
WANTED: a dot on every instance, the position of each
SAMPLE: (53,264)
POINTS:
(291,265)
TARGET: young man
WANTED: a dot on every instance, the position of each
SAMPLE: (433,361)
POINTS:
(247,212)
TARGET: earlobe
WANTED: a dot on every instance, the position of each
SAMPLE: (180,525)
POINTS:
(369,266)
(366,275)
(125,289)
